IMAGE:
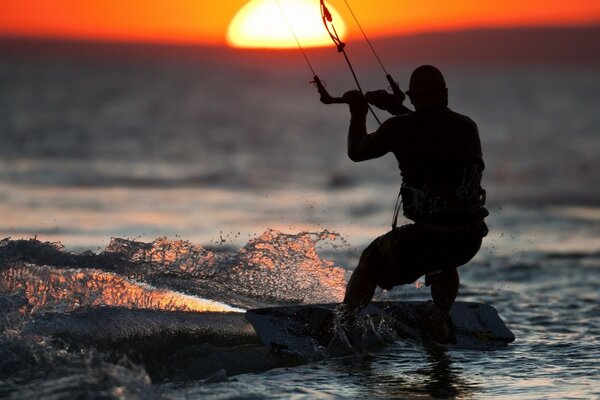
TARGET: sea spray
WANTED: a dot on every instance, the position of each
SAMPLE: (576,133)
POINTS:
(172,275)
(150,304)
(274,267)
(51,289)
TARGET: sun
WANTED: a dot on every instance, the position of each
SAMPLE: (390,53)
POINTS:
(262,24)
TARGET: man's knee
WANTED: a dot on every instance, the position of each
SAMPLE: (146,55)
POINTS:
(448,276)
(371,263)
(387,271)
(385,262)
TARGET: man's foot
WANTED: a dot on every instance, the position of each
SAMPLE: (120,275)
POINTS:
(436,324)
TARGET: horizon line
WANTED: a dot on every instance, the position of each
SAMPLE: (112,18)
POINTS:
(4,37)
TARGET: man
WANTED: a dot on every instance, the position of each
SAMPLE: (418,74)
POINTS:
(440,161)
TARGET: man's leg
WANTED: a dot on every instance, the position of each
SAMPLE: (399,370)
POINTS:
(361,287)
(378,266)
(444,288)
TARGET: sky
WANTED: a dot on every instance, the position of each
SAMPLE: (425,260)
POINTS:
(207,22)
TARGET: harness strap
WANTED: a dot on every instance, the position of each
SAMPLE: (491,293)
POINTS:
(397,209)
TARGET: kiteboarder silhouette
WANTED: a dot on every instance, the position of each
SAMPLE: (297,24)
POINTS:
(441,164)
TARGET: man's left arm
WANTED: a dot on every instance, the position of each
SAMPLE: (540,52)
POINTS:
(389,102)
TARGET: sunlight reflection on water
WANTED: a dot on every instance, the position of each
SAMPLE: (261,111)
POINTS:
(58,290)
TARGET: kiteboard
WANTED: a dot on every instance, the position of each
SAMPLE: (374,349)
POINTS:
(311,331)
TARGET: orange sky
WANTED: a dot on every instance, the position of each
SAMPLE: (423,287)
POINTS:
(204,21)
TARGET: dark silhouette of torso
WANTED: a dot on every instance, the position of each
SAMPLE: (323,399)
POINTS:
(438,152)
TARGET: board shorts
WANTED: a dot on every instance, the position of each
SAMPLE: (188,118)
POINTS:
(408,252)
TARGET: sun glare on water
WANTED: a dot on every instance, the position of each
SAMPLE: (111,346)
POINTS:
(262,24)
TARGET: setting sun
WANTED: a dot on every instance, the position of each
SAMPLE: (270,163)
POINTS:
(262,24)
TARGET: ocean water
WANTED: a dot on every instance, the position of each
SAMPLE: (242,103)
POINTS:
(183,193)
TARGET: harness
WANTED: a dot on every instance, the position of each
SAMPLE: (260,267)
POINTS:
(450,209)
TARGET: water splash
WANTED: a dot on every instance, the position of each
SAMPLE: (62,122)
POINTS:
(287,268)
(127,301)
(271,268)
(358,333)
(177,257)
(51,289)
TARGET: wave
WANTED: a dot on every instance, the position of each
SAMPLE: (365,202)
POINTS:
(274,268)
(87,320)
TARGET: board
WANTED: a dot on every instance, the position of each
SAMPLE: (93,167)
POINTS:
(309,331)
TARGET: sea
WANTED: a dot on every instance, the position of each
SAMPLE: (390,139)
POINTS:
(146,202)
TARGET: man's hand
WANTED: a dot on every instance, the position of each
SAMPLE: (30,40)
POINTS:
(381,99)
(389,102)
(357,102)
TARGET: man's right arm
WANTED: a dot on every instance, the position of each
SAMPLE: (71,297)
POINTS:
(363,146)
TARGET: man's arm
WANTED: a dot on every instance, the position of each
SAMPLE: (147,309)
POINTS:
(363,146)
(386,101)
(399,109)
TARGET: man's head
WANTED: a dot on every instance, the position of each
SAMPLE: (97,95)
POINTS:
(427,87)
